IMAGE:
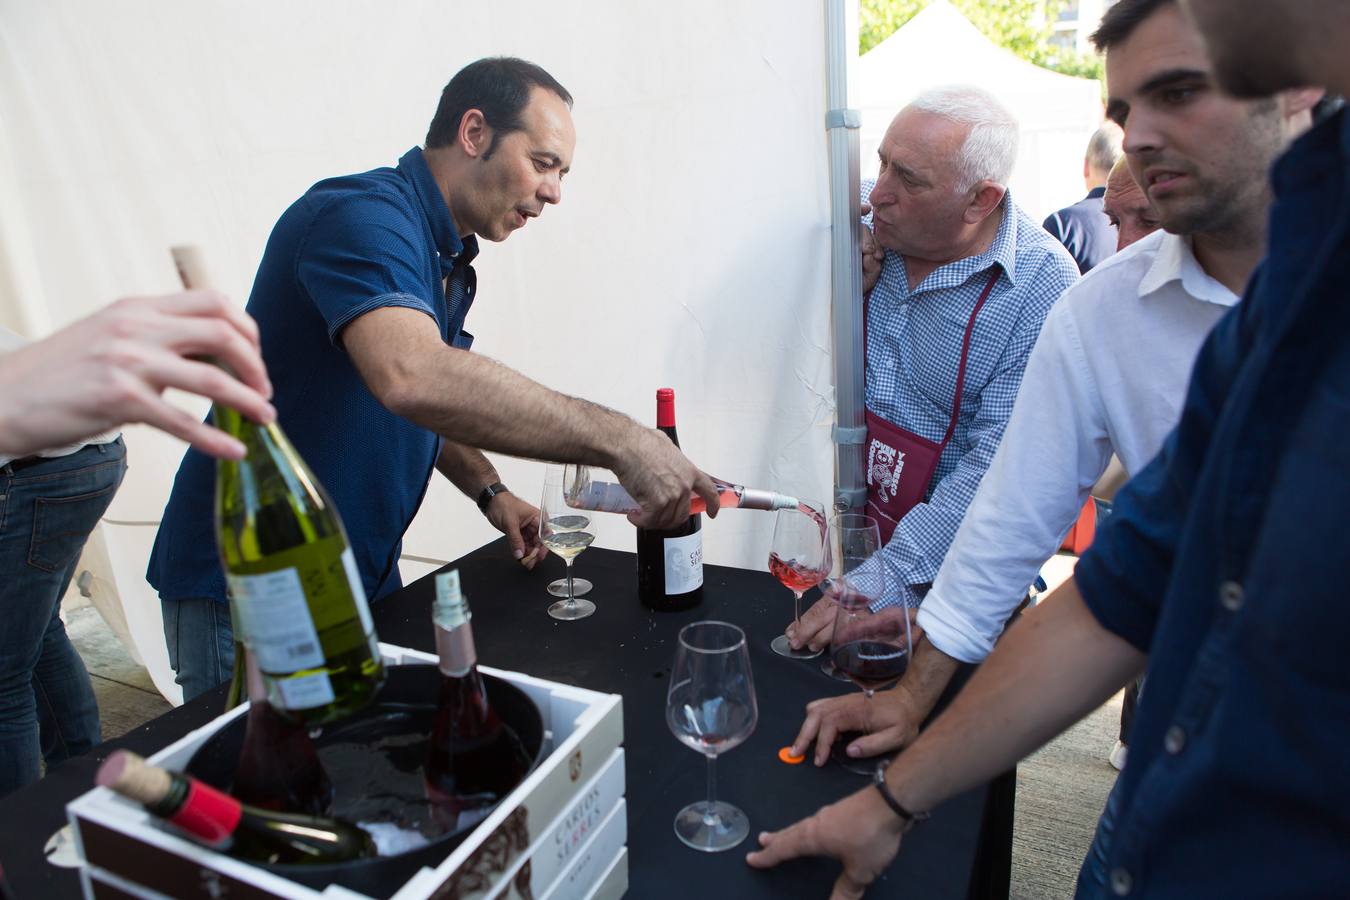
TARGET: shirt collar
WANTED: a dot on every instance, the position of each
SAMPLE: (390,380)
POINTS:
(1095,193)
(1175,261)
(452,250)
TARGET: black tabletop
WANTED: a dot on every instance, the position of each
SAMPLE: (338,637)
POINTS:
(624,649)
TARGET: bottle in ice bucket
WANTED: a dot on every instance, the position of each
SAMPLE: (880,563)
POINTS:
(223,823)
(670,561)
(294,587)
(279,768)
(474,759)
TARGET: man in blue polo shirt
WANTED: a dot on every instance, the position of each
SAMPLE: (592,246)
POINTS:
(361,298)
(1236,782)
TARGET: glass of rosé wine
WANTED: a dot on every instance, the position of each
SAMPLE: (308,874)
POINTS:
(799,557)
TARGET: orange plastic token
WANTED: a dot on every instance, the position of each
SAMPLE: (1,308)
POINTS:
(786,756)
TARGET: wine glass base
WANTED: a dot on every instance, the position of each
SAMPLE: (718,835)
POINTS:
(580,587)
(858,765)
(570,613)
(782,647)
(829,668)
(711,827)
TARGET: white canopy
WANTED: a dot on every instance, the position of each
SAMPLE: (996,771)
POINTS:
(1057,113)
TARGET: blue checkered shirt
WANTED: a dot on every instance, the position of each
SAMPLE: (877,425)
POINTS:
(913,351)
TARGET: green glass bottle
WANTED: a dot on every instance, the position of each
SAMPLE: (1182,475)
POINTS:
(295,591)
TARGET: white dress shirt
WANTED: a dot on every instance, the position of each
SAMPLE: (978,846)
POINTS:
(10,341)
(1108,373)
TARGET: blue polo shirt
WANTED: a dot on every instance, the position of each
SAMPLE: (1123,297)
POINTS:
(348,246)
(1225,560)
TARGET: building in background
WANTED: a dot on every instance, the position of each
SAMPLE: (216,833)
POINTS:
(1077,20)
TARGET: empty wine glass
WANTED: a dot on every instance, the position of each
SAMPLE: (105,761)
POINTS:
(799,557)
(566,532)
(711,708)
(857,535)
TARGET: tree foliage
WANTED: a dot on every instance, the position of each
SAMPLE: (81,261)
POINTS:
(1022,26)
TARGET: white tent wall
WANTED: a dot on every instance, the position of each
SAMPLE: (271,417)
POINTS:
(691,249)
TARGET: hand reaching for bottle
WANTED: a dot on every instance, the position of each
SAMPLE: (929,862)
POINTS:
(110,369)
(662,480)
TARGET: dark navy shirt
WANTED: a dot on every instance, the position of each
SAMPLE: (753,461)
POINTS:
(1225,560)
(348,246)
(1084,230)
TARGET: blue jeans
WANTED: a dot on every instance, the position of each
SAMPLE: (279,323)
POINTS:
(48,507)
(200,638)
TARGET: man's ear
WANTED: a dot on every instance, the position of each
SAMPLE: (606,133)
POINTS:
(1300,100)
(475,135)
(984,199)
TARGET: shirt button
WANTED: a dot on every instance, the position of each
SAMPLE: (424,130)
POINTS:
(1121,882)
(1231,596)
(1175,740)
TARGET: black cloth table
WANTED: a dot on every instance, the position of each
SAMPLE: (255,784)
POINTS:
(625,649)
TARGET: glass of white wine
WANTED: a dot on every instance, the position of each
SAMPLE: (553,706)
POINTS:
(566,532)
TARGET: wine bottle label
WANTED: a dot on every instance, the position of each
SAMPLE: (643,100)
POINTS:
(276,620)
(358,590)
(684,563)
(305,691)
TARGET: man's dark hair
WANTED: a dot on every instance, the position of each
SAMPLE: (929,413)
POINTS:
(1122,19)
(499,87)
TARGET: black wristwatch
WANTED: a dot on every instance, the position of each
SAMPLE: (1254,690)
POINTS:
(488,493)
(910,819)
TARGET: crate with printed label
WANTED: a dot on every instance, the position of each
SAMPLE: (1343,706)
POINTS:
(560,833)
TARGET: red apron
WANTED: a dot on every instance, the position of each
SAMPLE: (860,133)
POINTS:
(900,463)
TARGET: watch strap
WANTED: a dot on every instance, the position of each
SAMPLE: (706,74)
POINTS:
(492,490)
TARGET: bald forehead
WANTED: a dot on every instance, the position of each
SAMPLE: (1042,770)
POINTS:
(923,141)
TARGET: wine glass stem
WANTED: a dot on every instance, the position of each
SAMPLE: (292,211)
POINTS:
(571,600)
(867,711)
(710,817)
(797,608)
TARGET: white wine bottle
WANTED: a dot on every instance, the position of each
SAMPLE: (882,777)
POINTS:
(295,591)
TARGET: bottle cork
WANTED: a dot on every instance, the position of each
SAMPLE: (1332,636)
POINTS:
(132,777)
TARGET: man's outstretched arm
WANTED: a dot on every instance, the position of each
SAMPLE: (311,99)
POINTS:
(1053,667)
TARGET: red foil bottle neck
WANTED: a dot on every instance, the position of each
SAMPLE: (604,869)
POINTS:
(665,407)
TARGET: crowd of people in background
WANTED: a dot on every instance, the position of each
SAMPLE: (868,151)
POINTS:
(1185,319)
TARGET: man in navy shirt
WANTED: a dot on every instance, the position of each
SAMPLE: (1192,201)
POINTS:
(1236,783)
(1083,228)
(361,298)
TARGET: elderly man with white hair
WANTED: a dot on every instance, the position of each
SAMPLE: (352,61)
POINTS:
(957,285)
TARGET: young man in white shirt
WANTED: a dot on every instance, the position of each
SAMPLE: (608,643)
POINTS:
(1108,373)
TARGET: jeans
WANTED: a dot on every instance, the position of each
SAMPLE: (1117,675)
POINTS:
(200,638)
(48,507)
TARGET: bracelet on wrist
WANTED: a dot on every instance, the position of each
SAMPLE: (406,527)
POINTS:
(907,818)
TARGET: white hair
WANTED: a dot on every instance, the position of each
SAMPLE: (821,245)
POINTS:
(991,147)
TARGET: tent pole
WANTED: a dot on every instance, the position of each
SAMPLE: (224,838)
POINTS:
(841,124)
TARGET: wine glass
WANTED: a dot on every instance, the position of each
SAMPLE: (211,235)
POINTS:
(566,532)
(558,586)
(870,645)
(854,535)
(799,557)
(711,708)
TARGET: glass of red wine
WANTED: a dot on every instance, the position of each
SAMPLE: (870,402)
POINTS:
(799,557)
(856,536)
(711,708)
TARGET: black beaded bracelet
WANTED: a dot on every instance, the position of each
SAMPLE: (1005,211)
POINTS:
(910,819)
